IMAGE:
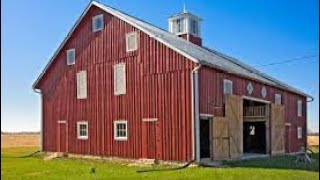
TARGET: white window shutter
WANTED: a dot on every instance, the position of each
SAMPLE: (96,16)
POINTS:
(227,87)
(299,132)
(278,99)
(299,109)
(119,79)
(131,41)
(82,85)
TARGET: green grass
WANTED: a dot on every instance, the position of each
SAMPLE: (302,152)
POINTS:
(37,168)
(279,162)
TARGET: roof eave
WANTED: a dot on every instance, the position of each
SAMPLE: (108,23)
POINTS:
(238,74)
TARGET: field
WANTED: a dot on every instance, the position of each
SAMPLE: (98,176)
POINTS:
(313,141)
(66,168)
(20,139)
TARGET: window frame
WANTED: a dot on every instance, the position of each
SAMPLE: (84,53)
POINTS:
(299,108)
(134,33)
(115,130)
(79,123)
(275,99)
(74,56)
(94,19)
(225,81)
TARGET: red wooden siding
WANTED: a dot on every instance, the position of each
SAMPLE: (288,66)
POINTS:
(158,86)
(191,38)
(212,101)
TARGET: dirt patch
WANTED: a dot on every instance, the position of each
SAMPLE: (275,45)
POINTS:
(19,140)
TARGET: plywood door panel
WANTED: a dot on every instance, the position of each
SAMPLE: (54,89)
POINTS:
(220,139)
(234,114)
(277,129)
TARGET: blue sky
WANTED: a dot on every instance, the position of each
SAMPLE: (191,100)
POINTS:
(256,32)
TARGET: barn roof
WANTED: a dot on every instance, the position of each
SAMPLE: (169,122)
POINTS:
(198,54)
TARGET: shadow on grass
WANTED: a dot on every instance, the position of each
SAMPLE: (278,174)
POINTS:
(278,162)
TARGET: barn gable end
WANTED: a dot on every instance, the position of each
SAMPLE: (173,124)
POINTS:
(157,86)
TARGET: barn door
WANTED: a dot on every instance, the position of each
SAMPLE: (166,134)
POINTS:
(277,129)
(151,145)
(220,138)
(62,136)
(234,114)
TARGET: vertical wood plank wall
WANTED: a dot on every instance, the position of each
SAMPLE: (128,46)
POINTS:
(158,86)
(212,100)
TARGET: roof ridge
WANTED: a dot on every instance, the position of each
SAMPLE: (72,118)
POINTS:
(198,54)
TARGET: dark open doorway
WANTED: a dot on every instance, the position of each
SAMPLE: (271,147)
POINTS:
(204,138)
(254,137)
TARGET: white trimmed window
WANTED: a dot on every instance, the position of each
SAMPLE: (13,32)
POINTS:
(97,23)
(82,130)
(82,85)
(227,87)
(299,132)
(131,41)
(277,99)
(120,130)
(119,79)
(71,56)
(299,108)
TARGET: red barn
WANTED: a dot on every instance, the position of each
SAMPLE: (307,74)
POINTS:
(119,86)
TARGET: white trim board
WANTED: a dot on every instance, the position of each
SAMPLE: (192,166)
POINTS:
(206,115)
(255,99)
(149,119)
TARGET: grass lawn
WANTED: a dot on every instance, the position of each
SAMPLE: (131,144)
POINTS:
(36,168)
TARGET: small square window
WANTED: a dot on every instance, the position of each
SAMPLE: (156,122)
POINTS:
(277,99)
(227,86)
(71,57)
(131,41)
(97,23)
(120,130)
(82,130)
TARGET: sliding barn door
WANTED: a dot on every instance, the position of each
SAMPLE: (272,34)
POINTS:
(277,129)
(234,114)
(220,138)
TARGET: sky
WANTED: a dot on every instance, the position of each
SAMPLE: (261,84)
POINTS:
(256,32)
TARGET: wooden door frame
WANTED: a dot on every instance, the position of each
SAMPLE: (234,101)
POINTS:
(267,121)
(287,136)
(206,118)
(59,135)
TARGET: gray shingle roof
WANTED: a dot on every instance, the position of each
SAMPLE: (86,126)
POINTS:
(194,52)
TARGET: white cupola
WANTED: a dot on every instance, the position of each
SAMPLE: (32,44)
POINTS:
(187,26)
